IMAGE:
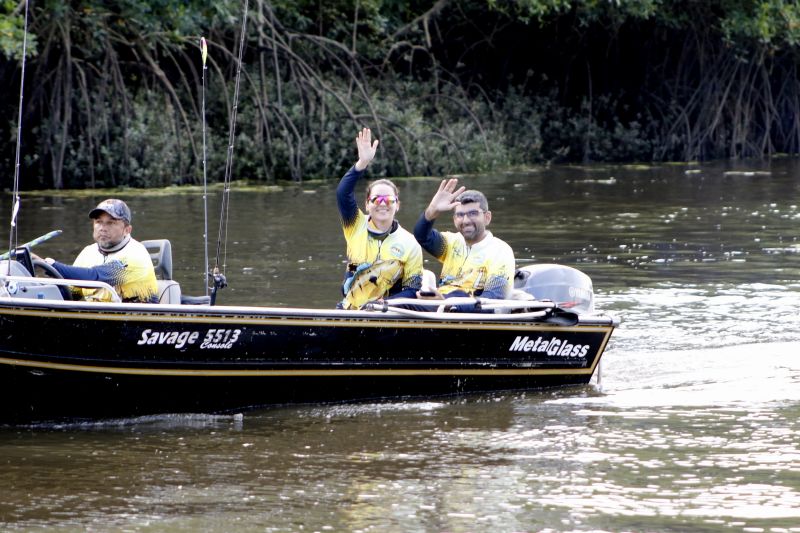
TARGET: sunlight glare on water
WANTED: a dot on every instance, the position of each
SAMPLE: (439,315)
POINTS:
(704,316)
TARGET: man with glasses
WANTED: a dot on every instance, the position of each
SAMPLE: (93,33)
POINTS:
(384,260)
(474,262)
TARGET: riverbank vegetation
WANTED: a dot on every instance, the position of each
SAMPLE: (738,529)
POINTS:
(113,89)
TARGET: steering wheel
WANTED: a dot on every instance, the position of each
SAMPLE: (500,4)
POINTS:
(51,272)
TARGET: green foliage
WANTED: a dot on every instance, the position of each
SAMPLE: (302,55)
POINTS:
(334,19)
(449,86)
(12,24)
(587,11)
(772,23)
(150,152)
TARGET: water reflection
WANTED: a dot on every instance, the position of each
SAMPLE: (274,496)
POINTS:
(524,462)
(694,425)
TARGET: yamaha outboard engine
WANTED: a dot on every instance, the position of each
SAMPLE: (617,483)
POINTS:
(569,288)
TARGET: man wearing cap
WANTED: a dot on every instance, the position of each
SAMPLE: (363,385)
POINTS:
(115,258)
(474,262)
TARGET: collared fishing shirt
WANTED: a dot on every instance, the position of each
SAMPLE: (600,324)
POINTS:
(129,270)
(365,248)
(484,269)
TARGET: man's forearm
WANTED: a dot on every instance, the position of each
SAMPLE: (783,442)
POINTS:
(107,273)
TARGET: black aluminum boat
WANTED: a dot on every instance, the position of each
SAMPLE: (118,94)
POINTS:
(62,359)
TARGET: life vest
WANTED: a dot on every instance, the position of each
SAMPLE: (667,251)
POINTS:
(370,282)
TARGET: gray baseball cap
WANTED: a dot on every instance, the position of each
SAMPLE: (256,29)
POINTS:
(115,208)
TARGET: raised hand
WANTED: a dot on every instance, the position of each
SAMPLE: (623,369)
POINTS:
(445,198)
(366,148)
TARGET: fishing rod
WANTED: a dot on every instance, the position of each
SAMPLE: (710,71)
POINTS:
(31,244)
(220,282)
(204,55)
(12,234)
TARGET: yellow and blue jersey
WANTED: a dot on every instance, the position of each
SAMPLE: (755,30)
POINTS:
(484,269)
(129,270)
(366,248)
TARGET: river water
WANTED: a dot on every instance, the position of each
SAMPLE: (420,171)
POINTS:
(693,426)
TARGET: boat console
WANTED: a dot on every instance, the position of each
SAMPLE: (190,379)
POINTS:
(39,289)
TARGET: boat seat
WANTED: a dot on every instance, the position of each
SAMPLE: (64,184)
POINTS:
(160,251)
(169,290)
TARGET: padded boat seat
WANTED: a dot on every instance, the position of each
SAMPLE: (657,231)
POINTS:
(169,290)
(161,254)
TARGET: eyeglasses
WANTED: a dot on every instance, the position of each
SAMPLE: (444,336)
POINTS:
(469,214)
(385,199)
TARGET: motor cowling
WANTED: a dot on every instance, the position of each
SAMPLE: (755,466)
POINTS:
(567,287)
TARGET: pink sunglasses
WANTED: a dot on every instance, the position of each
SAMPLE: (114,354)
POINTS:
(385,199)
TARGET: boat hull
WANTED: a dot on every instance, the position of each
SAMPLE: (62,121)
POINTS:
(88,360)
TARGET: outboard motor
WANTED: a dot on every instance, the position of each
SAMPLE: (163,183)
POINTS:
(569,288)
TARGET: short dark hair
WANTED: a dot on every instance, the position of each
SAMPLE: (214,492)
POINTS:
(473,197)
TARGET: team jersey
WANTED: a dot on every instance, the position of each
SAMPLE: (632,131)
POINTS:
(366,248)
(484,269)
(129,271)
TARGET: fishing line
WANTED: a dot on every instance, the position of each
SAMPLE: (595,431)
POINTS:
(204,55)
(12,235)
(219,277)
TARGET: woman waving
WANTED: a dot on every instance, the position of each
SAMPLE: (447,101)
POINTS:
(384,260)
